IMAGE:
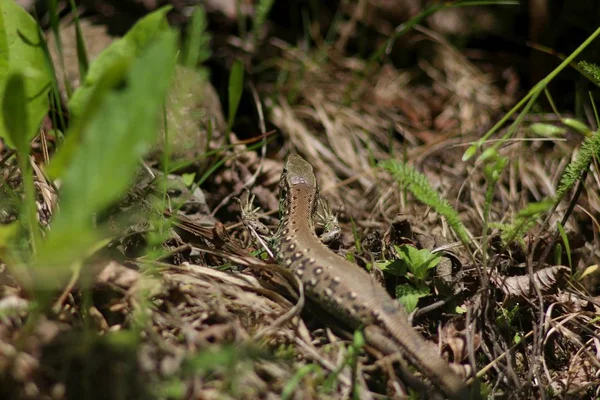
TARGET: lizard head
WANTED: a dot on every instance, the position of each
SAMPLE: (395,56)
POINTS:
(297,171)
(297,175)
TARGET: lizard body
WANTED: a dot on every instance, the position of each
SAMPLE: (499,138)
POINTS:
(342,288)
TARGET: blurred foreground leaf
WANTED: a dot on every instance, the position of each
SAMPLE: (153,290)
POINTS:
(21,51)
(107,72)
(106,161)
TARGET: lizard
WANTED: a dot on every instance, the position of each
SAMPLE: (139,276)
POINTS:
(343,288)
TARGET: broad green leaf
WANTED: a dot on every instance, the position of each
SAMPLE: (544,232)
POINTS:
(188,179)
(106,161)
(106,72)
(409,295)
(394,267)
(419,262)
(124,50)
(113,75)
(21,51)
(14,112)
(236,86)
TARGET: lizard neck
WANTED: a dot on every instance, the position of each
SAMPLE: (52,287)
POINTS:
(299,208)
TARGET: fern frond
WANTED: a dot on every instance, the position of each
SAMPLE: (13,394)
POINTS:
(591,70)
(499,225)
(420,187)
(590,148)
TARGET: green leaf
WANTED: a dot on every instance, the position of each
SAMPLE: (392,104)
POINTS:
(107,72)
(592,269)
(188,179)
(106,161)
(394,267)
(197,44)
(14,112)
(493,169)
(236,86)
(7,231)
(547,130)
(409,295)
(418,262)
(517,338)
(21,50)
(565,240)
(113,75)
(460,310)
(359,339)
(122,51)
(470,152)
(15,115)
(578,126)
(489,154)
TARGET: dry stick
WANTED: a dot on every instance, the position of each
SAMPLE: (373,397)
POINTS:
(44,147)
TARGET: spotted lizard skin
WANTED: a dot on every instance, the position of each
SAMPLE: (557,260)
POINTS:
(342,288)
